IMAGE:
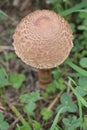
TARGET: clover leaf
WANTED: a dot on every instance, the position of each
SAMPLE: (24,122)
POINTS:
(66,102)
(3,124)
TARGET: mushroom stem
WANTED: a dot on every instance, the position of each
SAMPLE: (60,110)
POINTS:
(45,76)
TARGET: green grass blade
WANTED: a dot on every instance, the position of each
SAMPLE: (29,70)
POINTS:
(77,68)
(74,8)
(3,13)
(57,118)
(81,99)
(82,10)
(4,16)
(80,111)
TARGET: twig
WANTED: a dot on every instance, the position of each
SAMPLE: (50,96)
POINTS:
(17,113)
(2,109)
(25,4)
(68,84)
(6,48)
(13,124)
(55,100)
(16,3)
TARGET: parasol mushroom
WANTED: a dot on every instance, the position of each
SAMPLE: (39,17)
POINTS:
(43,39)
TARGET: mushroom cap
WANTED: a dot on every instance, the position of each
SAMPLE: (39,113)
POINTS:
(43,39)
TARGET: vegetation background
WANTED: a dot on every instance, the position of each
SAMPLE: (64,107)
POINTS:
(63,104)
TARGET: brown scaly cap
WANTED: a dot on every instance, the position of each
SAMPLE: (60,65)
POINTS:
(43,39)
